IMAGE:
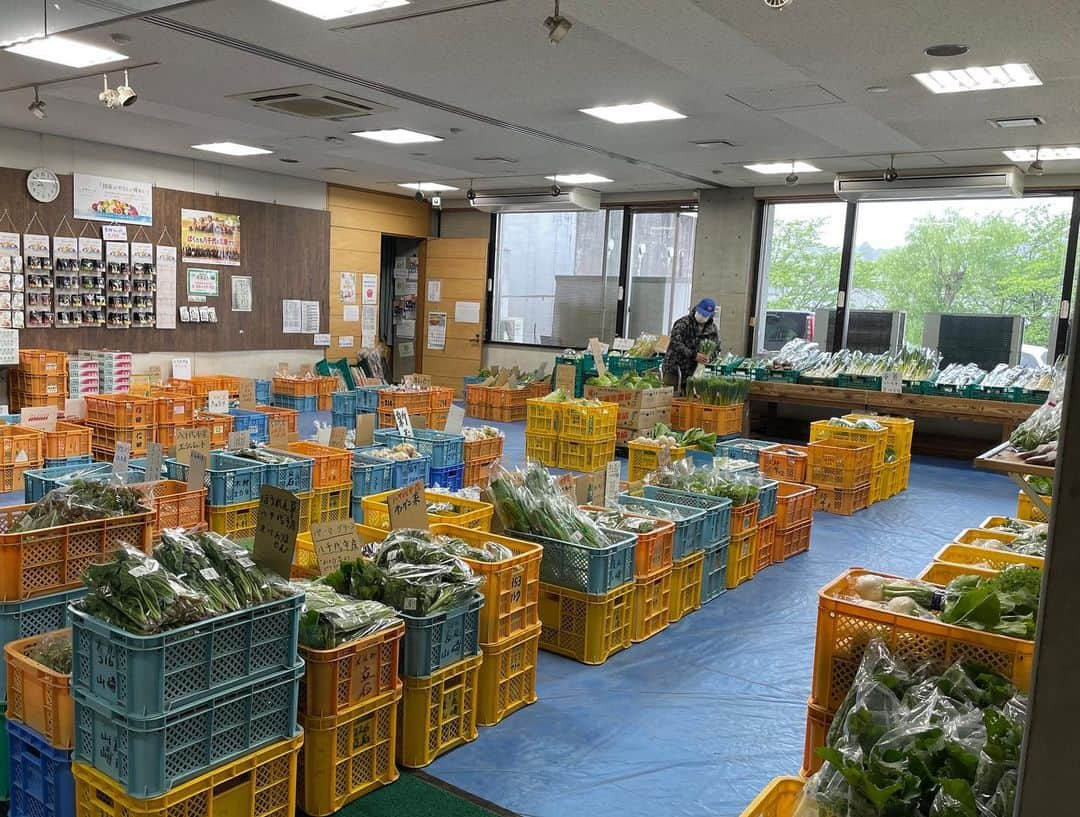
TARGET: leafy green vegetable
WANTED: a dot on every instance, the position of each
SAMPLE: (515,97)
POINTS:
(529,501)
(53,651)
(81,501)
(183,556)
(330,619)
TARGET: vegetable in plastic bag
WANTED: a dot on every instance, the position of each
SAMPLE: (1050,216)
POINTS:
(53,650)
(184,556)
(330,619)
(82,501)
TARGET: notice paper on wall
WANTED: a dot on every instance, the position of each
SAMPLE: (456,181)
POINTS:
(370,288)
(309,317)
(9,347)
(434,291)
(347,287)
(291,317)
(369,327)
(166,288)
(322,339)
(345,341)
(436,330)
(407,349)
(350,313)
(467,312)
(405,328)
(241,293)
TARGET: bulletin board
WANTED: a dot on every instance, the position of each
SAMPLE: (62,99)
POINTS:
(284,250)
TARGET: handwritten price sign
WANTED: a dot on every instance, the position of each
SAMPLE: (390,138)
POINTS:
(408,507)
(276,529)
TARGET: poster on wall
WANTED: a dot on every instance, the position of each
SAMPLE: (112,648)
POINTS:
(371,288)
(166,287)
(309,317)
(347,287)
(436,330)
(98,198)
(202,282)
(241,293)
(368,326)
(210,238)
(290,316)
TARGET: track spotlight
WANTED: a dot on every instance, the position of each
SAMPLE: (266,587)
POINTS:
(419,195)
(556,191)
(791,179)
(126,94)
(1036,168)
(108,97)
(470,194)
(890,174)
(37,107)
(557,26)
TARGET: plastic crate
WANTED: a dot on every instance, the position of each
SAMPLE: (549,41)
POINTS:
(507,680)
(452,478)
(585,569)
(686,584)
(879,485)
(220,426)
(478,473)
(149,756)
(476,400)
(714,573)
(262,391)
(778,799)
(651,612)
(173,410)
(765,544)
(721,420)
(444,450)
(784,462)
(41,782)
(305,561)
(984,557)
(230,480)
(688,536)
(1026,510)
(542,416)
(441,398)
(295,387)
(291,417)
(34,387)
(371,478)
(39,481)
(404,472)
(253,421)
(944,572)
(415,401)
(971,536)
(767,492)
(791,541)
(718,510)
(653,551)
(438,713)
(900,430)
(42,361)
(119,410)
(295,475)
(842,501)
(839,463)
(367,398)
(466,513)
(845,627)
(742,558)
(4,782)
(877,439)
(85,459)
(643,458)
(146,676)
(506,414)
(483,449)
(49,560)
(175,506)
(106,438)
(38,696)
(543,448)
(587,628)
(68,440)
(743,449)
(331,504)
(685,414)
(332,465)
(339,679)
(794,504)
(997,521)
(348,755)
(299,404)
(588,424)
(437,641)
(585,457)
(23,619)
(21,446)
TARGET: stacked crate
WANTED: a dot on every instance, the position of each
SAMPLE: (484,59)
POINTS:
(83,377)
(794,518)
(896,466)
(480,455)
(21,449)
(68,444)
(751,451)
(114,369)
(172,410)
(40,379)
(841,464)
(639,409)
(441,400)
(120,418)
(324,390)
(571,435)
(330,482)
(345,405)
(233,486)
(295,393)
(445,453)
(416,401)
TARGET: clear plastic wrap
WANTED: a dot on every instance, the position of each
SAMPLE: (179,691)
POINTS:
(422,577)
(183,555)
(529,501)
(484,552)
(330,619)
(250,583)
(81,501)
(1044,424)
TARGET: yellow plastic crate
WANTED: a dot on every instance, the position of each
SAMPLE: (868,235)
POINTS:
(879,484)
(900,430)
(235,521)
(645,458)
(507,676)
(331,504)
(438,713)
(467,513)
(970,536)
(347,755)
(1026,510)
(261,784)
(945,572)
(742,558)
(998,521)
(588,424)
(542,416)
(686,578)
(989,558)
(306,564)
(778,799)
(589,629)
(586,457)
(652,606)
(542,448)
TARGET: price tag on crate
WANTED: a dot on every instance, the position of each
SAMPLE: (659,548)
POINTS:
(189,440)
(402,421)
(275,530)
(337,436)
(611,484)
(154,455)
(196,474)
(335,542)
(455,418)
(408,507)
(279,432)
(239,440)
(365,430)
(892,383)
(121,457)
(598,356)
(218,401)
(622,344)
(247,394)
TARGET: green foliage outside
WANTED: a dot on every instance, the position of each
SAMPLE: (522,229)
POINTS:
(994,264)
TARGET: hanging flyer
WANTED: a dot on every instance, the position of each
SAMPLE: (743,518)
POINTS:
(368,327)
(241,293)
(347,287)
(166,288)
(290,317)
(371,288)
(436,330)
(309,317)
(202,282)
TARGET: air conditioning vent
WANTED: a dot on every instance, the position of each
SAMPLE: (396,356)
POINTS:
(935,183)
(313,102)
(538,201)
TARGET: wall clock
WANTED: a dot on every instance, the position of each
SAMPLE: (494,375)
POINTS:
(42,185)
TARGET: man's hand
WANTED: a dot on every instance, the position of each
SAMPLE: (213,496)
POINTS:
(702,358)
(1043,455)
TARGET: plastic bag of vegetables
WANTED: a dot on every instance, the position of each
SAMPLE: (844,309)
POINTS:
(1044,424)
(182,554)
(529,501)
(422,577)
(330,619)
(81,501)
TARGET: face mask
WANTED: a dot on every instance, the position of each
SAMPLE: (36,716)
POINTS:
(701,317)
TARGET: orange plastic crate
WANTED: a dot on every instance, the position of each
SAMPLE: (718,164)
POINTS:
(48,560)
(295,387)
(11,477)
(106,438)
(326,386)
(686,577)
(220,426)
(332,465)
(653,550)
(721,420)
(339,678)
(175,506)
(786,462)
(506,398)
(685,414)
(174,410)
(478,473)
(794,504)
(68,440)
(119,410)
(505,414)
(38,696)
(877,440)
(17,401)
(416,401)
(166,435)
(21,446)
(538,388)
(879,484)
(743,518)
(818,723)
(438,420)
(290,415)
(477,395)
(839,463)
(842,501)
(231,383)
(37,386)
(202,385)
(42,361)
(652,606)
(791,541)
(766,543)
(483,449)
(441,398)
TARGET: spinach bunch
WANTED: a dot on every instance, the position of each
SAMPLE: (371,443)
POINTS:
(330,619)
(182,554)
(1005,604)
(81,501)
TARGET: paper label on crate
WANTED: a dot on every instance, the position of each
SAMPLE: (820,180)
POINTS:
(189,440)
(598,356)
(622,344)
(39,418)
(408,507)
(365,430)
(209,574)
(247,394)
(196,474)
(279,432)
(154,454)
(455,418)
(335,542)
(402,421)
(239,440)
(275,529)
(892,383)
(218,401)
(337,436)
(121,457)
(611,484)
(410,603)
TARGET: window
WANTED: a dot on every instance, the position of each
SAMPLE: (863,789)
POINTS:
(996,259)
(800,270)
(556,277)
(661,262)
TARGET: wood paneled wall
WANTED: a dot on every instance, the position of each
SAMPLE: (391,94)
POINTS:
(358,220)
(285,250)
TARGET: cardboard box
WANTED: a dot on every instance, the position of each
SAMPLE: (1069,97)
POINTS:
(652,398)
(590,487)
(606,394)
(644,419)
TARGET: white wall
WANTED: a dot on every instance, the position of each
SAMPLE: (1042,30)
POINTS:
(258,364)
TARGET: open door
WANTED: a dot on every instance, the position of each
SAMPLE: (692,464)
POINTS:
(459,267)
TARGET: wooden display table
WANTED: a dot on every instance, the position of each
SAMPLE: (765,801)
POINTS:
(1004,459)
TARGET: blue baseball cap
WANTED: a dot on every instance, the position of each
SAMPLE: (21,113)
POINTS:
(706,306)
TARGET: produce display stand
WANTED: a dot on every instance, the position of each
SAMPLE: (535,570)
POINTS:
(1004,459)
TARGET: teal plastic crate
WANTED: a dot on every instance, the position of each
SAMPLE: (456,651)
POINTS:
(85,459)
(331,368)
(30,617)
(367,398)
(714,572)
(41,784)
(742,448)
(621,364)
(371,478)
(860,381)
(39,481)
(439,640)
(444,450)
(588,570)
(229,479)
(767,498)
(302,404)
(294,475)
(717,509)
(689,532)
(782,376)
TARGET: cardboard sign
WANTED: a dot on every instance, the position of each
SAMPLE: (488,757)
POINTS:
(239,440)
(590,488)
(74,408)
(365,430)
(154,454)
(892,383)
(418,420)
(154,373)
(568,485)
(39,418)
(121,457)
(337,436)
(408,508)
(402,421)
(335,542)
(196,473)
(422,381)
(597,356)
(279,432)
(305,369)
(622,344)
(660,347)
(217,402)
(455,417)
(275,530)
(611,484)
(502,378)
(566,377)
(181,368)
(189,440)
(247,394)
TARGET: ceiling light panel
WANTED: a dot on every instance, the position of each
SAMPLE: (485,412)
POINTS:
(579,178)
(397,136)
(630,114)
(232,149)
(980,78)
(336,9)
(1017,122)
(783,167)
(65,51)
(428,187)
(1045,154)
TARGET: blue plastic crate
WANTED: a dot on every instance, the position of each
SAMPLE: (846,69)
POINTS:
(717,510)
(137,468)
(149,756)
(443,449)
(294,475)
(588,570)
(11,419)
(767,498)
(689,532)
(3,755)
(372,478)
(39,481)
(229,479)
(357,510)
(437,641)
(41,781)
(704,459)
(405,472)
(451,478)
(147,675)
(309,403)
(85,459)
(346,419)
(343,402)
(367,398)
(714,572)
(742,449)
(253,421)
(30,617)
(262,392)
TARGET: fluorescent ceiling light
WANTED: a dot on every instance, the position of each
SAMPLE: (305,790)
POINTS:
(628,114)
(980,78)
(1017,122)
(1045,154)
(65,51)
(783,167)
(397,136)
(333,9)
(578,178)
(428,187)
(232,149)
